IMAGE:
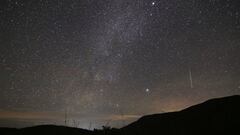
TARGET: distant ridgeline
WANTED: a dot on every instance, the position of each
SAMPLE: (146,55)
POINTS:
(216,116)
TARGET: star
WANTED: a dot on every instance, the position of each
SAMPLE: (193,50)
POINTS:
(147,90)
(153,3)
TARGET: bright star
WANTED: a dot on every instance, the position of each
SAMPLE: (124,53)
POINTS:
(153,3)
(147,90)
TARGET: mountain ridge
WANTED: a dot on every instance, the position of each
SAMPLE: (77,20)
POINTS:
(214,116)
(233,97)
(217,115)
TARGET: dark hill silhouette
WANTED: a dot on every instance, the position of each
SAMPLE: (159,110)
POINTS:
(216,116)
(45,130)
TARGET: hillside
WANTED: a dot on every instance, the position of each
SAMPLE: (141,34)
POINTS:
(221,115)
(215,116)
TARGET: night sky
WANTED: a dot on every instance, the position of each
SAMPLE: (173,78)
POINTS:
(108,62)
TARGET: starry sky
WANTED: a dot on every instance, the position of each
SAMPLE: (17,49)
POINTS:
(108,62)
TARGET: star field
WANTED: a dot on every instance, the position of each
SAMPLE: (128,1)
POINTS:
(112,61)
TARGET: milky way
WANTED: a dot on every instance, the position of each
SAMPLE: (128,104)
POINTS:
(108,62)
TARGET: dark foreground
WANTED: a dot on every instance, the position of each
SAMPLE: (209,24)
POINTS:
(216,116)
